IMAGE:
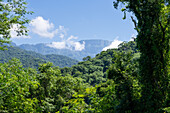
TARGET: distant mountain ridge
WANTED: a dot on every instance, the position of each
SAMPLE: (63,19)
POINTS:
(33,59)
(92,47)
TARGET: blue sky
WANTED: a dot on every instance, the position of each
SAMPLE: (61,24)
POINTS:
(57,20)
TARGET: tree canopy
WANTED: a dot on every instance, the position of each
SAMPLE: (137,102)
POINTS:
(12,13)
(153,26)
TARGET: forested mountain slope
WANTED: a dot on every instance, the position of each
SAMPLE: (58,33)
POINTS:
(108,83)
(32,59)
(93,70)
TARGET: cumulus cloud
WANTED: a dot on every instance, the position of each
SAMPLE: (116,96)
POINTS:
(46,29)
(78,46)
(114,44)
(43,27)
(14,34)
(68,44)
(58,45)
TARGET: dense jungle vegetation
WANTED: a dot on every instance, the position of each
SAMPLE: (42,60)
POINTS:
(131,79)
(110,82)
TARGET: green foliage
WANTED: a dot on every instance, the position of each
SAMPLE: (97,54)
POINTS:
(153,27)
(167,109)
(32,59)
(12,13)
(104,99)
(93,70)
(26,59)
(75,105)
(124,72)
(26,90)
(54,90)
(46,78)
(121,95)
(84,87)
(98,99)
(15,82)
(56,60)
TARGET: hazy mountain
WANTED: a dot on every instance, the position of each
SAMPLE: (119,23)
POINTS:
(92,47)
(33,59)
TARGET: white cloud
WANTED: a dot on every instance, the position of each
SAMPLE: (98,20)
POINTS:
(43,27)
(62,31)
(14,34)
(61,36)
(114,44)
(68,44)
(78,46)
(71,37)
(133,37)
(46,29)
(57,45)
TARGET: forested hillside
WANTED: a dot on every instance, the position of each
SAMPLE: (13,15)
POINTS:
(93,70)
(32,59)
(108,83)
